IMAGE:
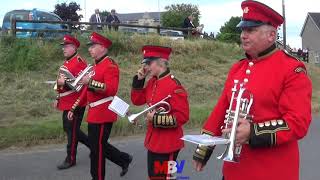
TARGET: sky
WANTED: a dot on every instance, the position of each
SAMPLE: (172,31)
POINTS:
(214,13)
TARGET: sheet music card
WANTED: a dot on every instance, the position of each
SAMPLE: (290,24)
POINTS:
(119,106)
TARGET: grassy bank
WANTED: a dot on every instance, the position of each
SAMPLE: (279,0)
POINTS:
(26,115)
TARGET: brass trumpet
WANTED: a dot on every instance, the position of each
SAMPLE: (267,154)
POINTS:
(159,104)
(242,109)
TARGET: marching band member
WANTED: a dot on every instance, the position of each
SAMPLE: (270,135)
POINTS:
(74,63)
(102,84)
(163,130)
(281,107)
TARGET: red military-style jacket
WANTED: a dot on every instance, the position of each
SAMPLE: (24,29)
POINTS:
(103,85)
(75,65)
(164,132)
(281,108)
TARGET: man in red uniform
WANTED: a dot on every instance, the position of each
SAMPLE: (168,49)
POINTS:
(281,107)
(74,63)
(102,84)
(163,130)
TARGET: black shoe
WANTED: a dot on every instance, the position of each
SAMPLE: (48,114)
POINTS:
(125,169)
(65,165)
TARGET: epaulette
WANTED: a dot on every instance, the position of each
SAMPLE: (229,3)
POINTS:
(79,59)
(298,69)
(176,80)
(112,61)
(290,55)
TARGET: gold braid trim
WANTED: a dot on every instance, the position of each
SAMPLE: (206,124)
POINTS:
(96,85)
(202,153)
(264,134)
(164,121)
(75,105)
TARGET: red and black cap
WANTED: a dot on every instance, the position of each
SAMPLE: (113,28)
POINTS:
(151,53)
(68,39)
(257,14)
(96,38)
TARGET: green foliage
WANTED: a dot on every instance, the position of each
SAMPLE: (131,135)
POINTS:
(176,13)
(20,55)
(105,13)
(68,11)
(229,32)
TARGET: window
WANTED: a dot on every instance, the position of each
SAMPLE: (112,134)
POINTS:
(317,57)
(43,16)
(20,15)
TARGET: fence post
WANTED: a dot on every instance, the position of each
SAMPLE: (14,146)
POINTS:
(158,29)
(69,25)
(189,32)
(13,27)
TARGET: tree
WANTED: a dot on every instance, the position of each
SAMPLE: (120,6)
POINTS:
(229,32)
(68,12)
(105,13)
(176,13)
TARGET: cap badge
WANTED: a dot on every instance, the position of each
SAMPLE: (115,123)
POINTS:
(246,10)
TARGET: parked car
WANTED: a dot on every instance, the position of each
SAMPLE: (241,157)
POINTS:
(34,14)
(174,35)
(131,30)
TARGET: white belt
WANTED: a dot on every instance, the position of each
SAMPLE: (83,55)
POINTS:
(101,101)
(66,93)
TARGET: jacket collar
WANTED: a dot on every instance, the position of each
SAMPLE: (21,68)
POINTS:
(102,58)
(164,74)
(266,53)
(72,56)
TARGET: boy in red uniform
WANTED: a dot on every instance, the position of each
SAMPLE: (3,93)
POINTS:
(164,130)
(74,63)
(281,107)
(102,84)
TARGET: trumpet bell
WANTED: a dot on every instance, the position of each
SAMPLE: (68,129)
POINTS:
(132,117)
(229,156)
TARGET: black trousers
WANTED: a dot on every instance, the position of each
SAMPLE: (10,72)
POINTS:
(115,27)
(159,158)
(74,134)
(100,149)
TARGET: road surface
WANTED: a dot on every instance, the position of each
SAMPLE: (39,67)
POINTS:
(40,163)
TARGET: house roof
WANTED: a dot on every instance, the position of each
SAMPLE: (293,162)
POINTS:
(315,18)
(137,16)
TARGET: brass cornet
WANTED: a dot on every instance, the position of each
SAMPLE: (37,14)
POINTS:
(74,82)
(241,111)
(159,104)
(66,74)
(87,71)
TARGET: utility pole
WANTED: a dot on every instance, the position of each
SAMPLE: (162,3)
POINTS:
(159,12)
(284,25)
(85,10)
